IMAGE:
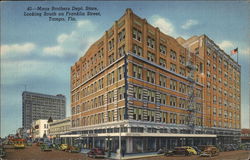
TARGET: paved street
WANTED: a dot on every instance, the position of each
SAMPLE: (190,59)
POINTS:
(34,153)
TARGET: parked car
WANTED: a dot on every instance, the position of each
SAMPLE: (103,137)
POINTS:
(96,152)
(29,143)
(210,152)
(45,147)
(178,151)
(2,152)
(19,143)
(73,149)
(63,147)
(191,150)
(197,150)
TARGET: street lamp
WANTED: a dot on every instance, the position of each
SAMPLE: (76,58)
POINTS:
(120,141)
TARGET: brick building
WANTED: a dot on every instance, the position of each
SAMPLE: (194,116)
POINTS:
(135,83)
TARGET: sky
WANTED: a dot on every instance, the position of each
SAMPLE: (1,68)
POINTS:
(36,53)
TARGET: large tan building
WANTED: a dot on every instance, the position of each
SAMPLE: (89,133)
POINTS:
(156,90)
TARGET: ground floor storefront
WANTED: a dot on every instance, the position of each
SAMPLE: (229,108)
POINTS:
(138,143)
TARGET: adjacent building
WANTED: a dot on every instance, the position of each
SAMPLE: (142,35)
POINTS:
(41,106)
(57,128)
(147,90)
(39,129)
(221,88)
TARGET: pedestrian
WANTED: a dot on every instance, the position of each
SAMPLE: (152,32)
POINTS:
(123,151)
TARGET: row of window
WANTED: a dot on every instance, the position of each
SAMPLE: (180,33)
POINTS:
(98,118)
(99,84)
(164,99)
(165,117)
(225,124)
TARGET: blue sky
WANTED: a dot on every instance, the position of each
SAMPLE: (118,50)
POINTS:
(38,53)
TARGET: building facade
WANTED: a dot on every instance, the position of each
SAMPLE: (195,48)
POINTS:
(41,106)
(145,90)
(222,89)
(58,128)
(40,128)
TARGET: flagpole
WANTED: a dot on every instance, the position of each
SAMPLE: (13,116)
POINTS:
(237,54)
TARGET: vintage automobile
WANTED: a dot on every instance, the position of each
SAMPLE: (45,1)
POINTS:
(210,152)
(63,147)
(2,152)
(29,143)
(197,150)
(191,150)
(73,149)
(96,152)
(19,143)
(178,151)
(45,147)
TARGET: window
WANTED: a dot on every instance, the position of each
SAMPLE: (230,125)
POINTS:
(172,67)
(182,88)
(182,60)
(121,51)
(172,101)
(214,99)
(182,71)
(121,35)
(137,50)
(151,57)
(110,96)
(163,99)
(111,44)
(172,54)
(110,116)
(214,111)
(182,103)
(111,58)
(137,92)
(164,117)
(120,72)
(121,92)
(151,76)
(151,96)
(151,115)
(163,49)
(121,113)
(162,81)
(137,35)
(173,84)
(111,78)
(208,74)
(162,62)
(137,71)
(173,117)
(151,42)
(137,114)
(182,119)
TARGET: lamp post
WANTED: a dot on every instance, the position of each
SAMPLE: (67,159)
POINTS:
(120,141)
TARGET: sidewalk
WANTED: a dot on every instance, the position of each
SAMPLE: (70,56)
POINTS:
(134,155)
(126,156)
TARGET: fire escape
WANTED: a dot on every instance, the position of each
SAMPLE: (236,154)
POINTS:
(191,94)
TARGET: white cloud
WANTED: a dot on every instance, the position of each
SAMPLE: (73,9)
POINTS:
(245,51)
(189,23)
(87,24)
(164,25)
(75,42)
(15,49)
(226,45)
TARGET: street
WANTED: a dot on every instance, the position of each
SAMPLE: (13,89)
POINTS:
(34,153)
